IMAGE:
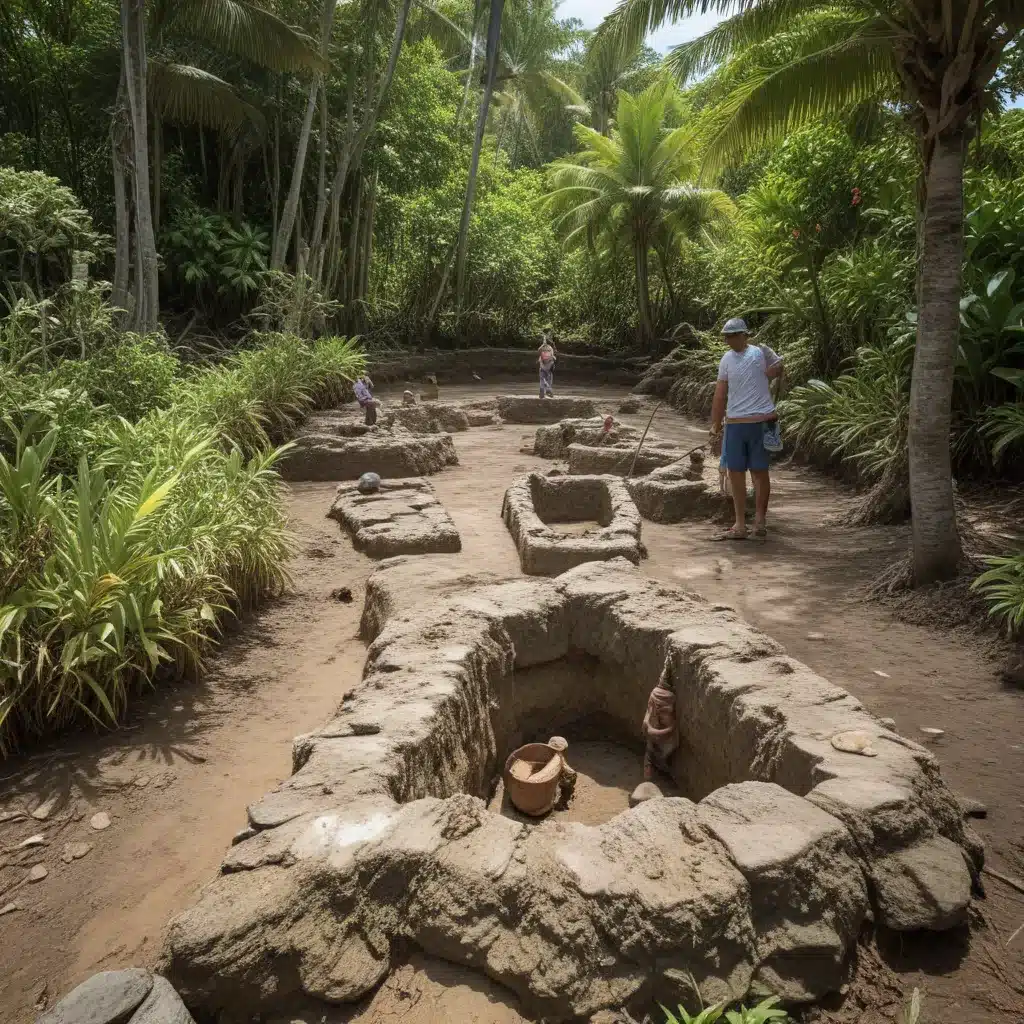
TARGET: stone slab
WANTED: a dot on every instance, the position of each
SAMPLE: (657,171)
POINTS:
(522,409)
(404,517)
(390,454)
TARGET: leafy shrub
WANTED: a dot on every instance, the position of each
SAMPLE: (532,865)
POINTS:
(131,376)
(114,576)
(1002,586)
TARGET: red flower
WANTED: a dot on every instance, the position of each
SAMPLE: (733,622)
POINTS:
(796,232)
(855,201)
(817,227)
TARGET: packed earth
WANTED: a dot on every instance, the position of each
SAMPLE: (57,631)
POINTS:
(330,825)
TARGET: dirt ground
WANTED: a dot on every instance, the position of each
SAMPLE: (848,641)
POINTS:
(176,780)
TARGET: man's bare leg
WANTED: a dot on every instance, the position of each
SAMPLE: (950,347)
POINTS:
(762,492)
(738,486)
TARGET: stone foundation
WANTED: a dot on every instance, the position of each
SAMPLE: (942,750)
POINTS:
(553,441)
(760,880)
(403,518)
(428,418)
(534,503)
(522,409)
(617,460)
(391,454)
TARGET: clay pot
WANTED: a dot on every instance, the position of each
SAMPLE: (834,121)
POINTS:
(532,774)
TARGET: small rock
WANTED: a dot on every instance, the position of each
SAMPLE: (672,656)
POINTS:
(882,675)
(645,791)
(889,723)
(75,851)
(6,816)
(816,636)
(100,821)
(476,376)
(369,483)
(39,840)
(932,733)
(854,742)
(142,781)
(342,594)
(45,809)
(37,873)
(242,834)
(9,908)
(970,807)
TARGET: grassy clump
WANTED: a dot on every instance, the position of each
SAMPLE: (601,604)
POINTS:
(116,574)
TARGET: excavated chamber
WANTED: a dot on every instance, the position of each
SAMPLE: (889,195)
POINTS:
(760,880)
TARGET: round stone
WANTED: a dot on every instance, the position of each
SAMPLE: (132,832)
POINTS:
(644,792)
(100,821)
(369,483)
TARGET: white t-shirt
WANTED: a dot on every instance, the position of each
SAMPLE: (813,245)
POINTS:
(747,376)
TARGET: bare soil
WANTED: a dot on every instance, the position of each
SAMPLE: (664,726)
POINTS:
(176,779)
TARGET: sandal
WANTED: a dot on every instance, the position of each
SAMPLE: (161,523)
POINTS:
(730,534)
(761,531)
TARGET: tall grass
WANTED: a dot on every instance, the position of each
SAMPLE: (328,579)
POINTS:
(117,575)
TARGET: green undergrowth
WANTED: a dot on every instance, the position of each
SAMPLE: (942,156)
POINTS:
(133,520)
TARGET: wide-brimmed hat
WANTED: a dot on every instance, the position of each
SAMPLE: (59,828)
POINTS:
(737,325)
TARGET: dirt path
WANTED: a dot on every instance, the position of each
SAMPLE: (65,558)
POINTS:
(176,782)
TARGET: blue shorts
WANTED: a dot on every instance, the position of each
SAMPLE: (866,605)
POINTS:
(743,447)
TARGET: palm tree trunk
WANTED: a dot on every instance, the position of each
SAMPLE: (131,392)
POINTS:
(122,215)
(936,542)
(643,291)
(493,41)
(158,159)
(133,40)
(291,204)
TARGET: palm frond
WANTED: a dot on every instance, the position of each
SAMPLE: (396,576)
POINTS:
(190,95)
(248,31)
(632,20)
(833,70)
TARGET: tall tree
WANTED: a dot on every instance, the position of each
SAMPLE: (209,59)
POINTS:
(940,56)
(634,184)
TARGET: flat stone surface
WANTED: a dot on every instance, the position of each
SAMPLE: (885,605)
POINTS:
(429,418)
(521,409)
(110,997)
(404,517)
(535,505)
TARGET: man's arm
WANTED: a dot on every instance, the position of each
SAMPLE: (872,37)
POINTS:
(772,362)
(718,405)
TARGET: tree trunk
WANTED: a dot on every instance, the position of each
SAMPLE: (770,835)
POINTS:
(320,210)
(158,159)
(291,204)
(643,292)
(936,542)
(133,33)
(122,215)
(493,40)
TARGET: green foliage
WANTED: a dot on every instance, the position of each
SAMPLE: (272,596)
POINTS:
(764,1011)
(115,574)
(43,230)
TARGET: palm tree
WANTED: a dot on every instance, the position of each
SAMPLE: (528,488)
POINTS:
(610,65)
(940,57)
(634,185)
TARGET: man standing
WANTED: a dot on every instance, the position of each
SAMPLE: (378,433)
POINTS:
(743,399)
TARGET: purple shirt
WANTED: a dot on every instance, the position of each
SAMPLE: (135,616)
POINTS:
(362,393)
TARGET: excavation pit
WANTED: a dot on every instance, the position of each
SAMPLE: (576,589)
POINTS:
(622,459)
(760,878)
(561,522)
(553,440)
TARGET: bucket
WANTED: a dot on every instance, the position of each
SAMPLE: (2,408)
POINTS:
(532,774)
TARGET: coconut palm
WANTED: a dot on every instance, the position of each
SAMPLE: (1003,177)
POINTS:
(609,65)
(939,57)
(633,185)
